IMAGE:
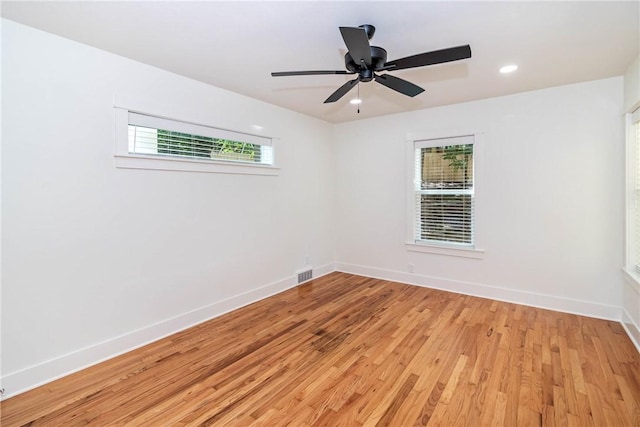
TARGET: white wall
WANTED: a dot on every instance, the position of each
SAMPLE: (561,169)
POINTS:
(72,293)
(631,285)
(552,194)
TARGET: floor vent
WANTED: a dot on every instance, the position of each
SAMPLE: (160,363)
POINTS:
(303,276)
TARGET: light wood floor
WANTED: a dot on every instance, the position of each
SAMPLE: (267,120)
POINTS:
(349,350)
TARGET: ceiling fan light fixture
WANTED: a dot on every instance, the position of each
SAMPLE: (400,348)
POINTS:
(356,101)
(508,69)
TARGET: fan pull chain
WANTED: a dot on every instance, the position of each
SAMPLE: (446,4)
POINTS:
(359,97)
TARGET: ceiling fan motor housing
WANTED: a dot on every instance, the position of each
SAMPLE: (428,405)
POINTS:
(378,59)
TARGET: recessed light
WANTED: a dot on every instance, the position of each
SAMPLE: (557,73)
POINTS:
(257,127)
(356,101)
(508,69)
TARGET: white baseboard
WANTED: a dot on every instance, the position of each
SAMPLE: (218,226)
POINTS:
(632,329)
(549,302)
(28,378)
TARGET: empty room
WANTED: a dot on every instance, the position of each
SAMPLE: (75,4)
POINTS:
(318,213)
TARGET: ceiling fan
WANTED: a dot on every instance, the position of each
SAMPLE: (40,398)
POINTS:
(366,60)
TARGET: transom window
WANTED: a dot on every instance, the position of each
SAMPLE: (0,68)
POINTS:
(145,141)
(155,136)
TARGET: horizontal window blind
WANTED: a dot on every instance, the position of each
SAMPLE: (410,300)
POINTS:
(144,120)
(444,192)
(446,218)
(156,136)
(635,135)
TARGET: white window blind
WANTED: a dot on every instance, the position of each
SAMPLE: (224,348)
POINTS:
(444,191)
(156,136)
(634,228)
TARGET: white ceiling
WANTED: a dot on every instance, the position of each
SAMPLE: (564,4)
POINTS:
(236,45)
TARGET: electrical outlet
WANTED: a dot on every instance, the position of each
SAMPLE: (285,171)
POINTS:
(306,260)
(410,268)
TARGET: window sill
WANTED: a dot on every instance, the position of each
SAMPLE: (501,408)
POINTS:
(128,161)
(445,250)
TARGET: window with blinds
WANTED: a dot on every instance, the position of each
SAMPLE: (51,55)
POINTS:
(444,191)
(155,136)
(633,227)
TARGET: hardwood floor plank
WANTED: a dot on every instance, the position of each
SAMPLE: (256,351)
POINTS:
(345,350)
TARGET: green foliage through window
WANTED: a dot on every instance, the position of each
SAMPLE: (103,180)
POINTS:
(183,144)
(458,155)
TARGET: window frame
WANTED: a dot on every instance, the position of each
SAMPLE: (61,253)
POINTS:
(632,198)
(475,250)
(125,159)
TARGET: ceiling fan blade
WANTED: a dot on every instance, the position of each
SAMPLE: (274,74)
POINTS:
(431,58)
(357,43)
(307,73)
(342,90)
(399,85)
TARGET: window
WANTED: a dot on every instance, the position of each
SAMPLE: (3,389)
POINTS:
(442,199)
(633,193)
(444,191)
(151,142)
